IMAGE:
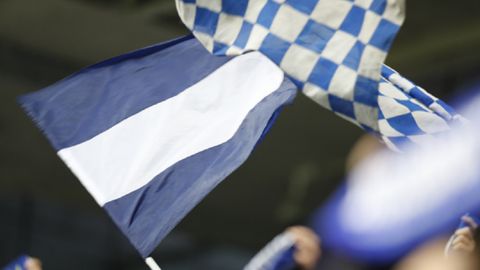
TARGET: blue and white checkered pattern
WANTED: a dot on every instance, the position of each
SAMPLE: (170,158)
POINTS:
(331,49)
(409,113)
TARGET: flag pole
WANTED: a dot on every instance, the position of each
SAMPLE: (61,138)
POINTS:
(152,264)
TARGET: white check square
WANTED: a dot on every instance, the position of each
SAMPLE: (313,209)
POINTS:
(288,23)
(371,62)
(339,46)
(228,28)
(317,94)
(331,13)
(429,124)
(343,83)
(205,39)
(253,10)
(366,115)
(391,108)
(256,37)
(389,90)
(364,3)
(189,10)
(299,62)
(370,25)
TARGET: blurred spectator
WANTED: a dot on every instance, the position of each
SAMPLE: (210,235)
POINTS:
(25,263)
(458,254)
(363,148)
(463,241)
(33,264)
(431,257)
(297,247)
(307,247)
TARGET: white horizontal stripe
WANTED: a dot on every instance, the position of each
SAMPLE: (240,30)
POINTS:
(130,154)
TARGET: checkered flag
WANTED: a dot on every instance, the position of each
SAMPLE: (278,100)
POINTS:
(408,113)
(331,49)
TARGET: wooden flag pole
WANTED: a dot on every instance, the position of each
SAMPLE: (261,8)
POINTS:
(152,264)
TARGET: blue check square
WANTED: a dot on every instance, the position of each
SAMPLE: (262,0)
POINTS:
(305,6)
(384,29)
(323,73)
(354,21)
(315,36)
(234,7)
(276,46)
(204,19)
(340,105)
(268,14)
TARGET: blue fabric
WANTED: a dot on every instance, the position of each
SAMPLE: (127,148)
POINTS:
(97,98)
(113,90)
(285,261)
(281,45)
(147,215)
(267,15)
(323,68)
(336,60)
(327,222)
(378,6)
(242,38)
(278,254)
(305,6)
(355,53)
(204,25)
(300,48)
(385,28)
(18,264)
(238,8)
(314,36)
(351,24)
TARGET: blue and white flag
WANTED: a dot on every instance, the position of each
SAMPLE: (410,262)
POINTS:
(409,114)
(152,132)
(278,254)
(331,49)
(392,203)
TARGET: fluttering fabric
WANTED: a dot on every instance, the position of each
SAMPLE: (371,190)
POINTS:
(333,50)
(152,132)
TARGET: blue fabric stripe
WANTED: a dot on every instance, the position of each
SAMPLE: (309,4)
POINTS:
(95,99)
(286,260)
(148,214)
(387,71)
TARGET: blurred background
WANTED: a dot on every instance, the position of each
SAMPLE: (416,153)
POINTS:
(44,210)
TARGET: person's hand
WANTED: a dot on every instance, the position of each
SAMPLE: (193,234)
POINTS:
(464,240)
(33,264)
(307,247)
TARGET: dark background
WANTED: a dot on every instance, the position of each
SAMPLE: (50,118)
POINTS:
(44,210)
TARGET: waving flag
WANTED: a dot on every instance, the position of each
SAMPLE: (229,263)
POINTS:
(276,255)
(331,49)
(150,133)
(408,113)
(392,203)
